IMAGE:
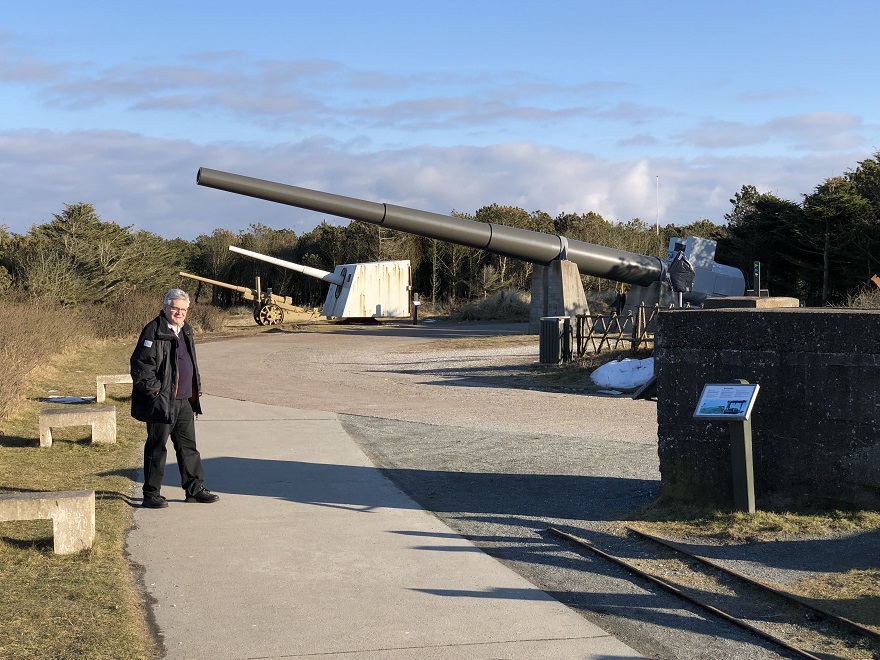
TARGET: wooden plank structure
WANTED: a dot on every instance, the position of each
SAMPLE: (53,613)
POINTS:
(594,332)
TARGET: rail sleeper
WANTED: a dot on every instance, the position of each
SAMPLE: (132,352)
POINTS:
(72,513)
(102,419)
(103,381)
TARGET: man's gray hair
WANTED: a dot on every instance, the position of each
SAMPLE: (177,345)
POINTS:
(176,294)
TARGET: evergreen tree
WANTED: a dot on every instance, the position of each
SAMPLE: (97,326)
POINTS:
(80,258)
(763,227)
(835,232)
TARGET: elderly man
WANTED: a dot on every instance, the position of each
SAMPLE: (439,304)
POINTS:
(165,394)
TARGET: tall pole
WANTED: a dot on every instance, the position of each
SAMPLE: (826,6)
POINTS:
(658,205)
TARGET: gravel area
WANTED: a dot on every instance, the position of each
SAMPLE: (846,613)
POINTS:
(468,431)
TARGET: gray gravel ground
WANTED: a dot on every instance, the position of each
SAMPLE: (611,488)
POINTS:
(465,432)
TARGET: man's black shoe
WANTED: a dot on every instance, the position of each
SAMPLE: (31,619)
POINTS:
(155,502)
(204,496)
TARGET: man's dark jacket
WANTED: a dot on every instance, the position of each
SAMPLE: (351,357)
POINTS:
(154,372)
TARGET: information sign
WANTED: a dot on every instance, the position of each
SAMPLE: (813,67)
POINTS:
(731,402)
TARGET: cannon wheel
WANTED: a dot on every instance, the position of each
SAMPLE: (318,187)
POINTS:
(270,315)
(257,315)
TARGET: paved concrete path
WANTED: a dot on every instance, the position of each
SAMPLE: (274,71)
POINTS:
(312,552)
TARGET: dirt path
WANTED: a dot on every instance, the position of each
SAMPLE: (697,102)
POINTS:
(399,373)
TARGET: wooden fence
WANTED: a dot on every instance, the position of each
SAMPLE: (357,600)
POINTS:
(593,332)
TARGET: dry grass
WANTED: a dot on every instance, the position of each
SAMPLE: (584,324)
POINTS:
(853,594)
(504,305)
(126,319)
(31,334)
(85,605)
(759,526)
(865,297)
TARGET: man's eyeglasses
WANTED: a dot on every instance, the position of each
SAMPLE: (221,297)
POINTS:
(179,310)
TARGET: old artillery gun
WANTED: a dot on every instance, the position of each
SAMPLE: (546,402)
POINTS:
(377,289)
(269,308)
(688,274)
(368,290)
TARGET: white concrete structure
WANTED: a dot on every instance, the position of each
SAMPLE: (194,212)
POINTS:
(102,419)
(103,381)
(72,513)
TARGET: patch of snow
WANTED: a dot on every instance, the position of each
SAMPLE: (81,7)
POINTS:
(68,399)
(626,374)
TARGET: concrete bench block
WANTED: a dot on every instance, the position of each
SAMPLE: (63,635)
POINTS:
(103,381)
(102,419)
(750,302)
(72,513)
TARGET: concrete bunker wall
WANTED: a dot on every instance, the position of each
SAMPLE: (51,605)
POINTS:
(816,420)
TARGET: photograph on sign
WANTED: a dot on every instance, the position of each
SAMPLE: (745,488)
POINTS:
(731,402)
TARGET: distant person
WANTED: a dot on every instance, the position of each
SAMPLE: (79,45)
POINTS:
(165,394)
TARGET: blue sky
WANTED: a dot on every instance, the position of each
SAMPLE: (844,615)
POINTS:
(628,109)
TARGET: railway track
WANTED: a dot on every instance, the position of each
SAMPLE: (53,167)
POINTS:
(793,623)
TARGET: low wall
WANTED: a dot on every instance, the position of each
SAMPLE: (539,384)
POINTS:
(816,420)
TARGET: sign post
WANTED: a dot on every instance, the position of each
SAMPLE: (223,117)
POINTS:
(732,403)
(415,307)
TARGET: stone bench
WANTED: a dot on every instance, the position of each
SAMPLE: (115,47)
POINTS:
(102,419)
(103,381)
(72,513)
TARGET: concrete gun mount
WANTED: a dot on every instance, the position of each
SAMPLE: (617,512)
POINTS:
(689,274)
(268,308)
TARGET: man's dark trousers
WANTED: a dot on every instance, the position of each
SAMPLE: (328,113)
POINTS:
(183,437)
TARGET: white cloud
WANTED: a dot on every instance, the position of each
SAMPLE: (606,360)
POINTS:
(317,94)
(150,182)
(812,131)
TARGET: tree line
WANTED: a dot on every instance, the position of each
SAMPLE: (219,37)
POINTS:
(817,250)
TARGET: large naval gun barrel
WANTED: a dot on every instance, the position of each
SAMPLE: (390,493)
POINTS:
(690,268)
(524,244)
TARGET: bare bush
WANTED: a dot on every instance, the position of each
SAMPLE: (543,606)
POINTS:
(504,305)
(206,318)
(31,334)
(866,297)
(601,301)
(33,331)
(126,318)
